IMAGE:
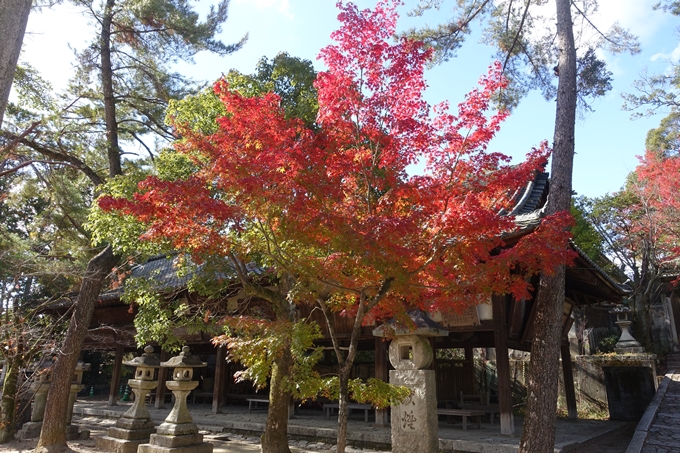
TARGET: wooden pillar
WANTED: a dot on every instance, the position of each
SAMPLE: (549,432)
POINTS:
(115,376)
(569,381)
(382,373)
(470,363)
(500,336)
(162,376)
(218,386)
(469,356)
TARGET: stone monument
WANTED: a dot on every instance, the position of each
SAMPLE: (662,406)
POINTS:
(74,432)
(178,433)
(414,421)
(41,384)
(134,427)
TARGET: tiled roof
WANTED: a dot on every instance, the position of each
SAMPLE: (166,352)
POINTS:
(163,269)
(534,195)
(623,288)
(530,209)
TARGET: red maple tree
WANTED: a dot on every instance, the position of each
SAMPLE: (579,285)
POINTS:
(339,210)
(657,187)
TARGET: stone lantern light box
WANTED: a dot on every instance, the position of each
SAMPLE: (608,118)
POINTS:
(184,365)
(145,365)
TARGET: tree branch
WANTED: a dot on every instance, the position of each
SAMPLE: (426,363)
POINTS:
(31,162)
(519,30)
(58,155)
(15,141)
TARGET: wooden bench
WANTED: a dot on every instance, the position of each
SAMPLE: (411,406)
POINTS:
(479,402)
(252,402)
(475,398)
(490,409)
(465,413)
(328,408)
(201,395)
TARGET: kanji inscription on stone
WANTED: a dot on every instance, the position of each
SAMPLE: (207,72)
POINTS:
(408,419)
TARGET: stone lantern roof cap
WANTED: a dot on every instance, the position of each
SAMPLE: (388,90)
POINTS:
(620,309)
(82,366)
(148,359)
(184,360)
(422,325)
(41,365)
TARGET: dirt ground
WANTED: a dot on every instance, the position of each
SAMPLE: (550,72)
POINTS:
(89,446)
(615,442)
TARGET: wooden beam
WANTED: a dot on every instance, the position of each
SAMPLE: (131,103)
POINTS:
(162,377)
(115,376)
(569,389)
(503,365)
(382,373)
(218,386)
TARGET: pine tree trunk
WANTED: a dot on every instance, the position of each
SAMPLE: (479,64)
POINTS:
(538,435)
(275,437)
(53,434)
(8,406)
(113,150)
(13,20)
(342,409)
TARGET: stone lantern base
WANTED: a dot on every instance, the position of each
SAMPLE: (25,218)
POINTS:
(75,432)
(126,436)
(414,421)
(181,438)
(29,430)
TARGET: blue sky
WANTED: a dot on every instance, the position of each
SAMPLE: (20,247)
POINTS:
(607,140)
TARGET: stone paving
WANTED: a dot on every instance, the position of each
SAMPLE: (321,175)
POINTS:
(310,431)
(659,429)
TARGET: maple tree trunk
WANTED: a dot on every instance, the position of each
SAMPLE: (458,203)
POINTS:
(275,437)
(342,408)
(538,434)
(8,406)
(53,434)
(13,20)
(642,317)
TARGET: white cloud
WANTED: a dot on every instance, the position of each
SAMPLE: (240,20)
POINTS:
(283,6)
(673,56)
(637,16)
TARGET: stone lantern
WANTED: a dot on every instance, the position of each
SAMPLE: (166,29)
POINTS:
(414,421)
(134,427)
(179,433)
(626,343)
(73,432)
(629,376)
(42,376)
